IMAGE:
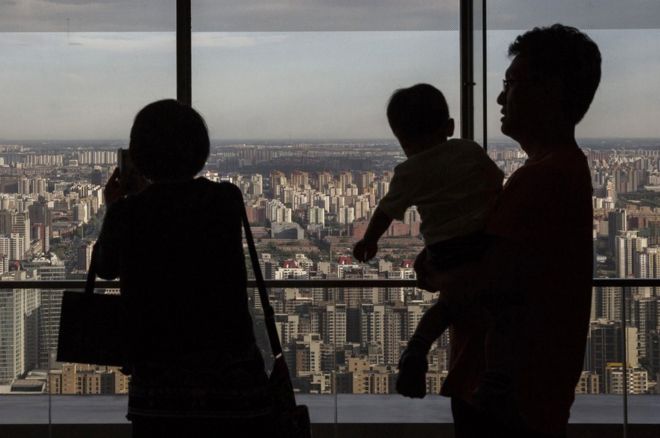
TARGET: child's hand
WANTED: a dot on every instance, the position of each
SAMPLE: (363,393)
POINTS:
(365,250)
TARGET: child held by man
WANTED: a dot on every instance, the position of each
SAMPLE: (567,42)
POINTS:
(454,185)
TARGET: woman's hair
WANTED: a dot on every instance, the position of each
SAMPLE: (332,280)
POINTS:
(169,141)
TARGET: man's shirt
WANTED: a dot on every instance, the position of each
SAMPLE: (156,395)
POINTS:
(544,211)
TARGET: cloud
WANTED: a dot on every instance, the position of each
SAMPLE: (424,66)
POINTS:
(232,40)
(76,2)
(318,15)
(125,42)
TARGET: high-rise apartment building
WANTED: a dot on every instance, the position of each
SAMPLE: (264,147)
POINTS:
(18,332)
(627,245)
(616,222)
(21,227)
(647,263)
(333,327)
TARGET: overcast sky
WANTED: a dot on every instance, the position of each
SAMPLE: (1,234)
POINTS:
(316,15)
(287,84)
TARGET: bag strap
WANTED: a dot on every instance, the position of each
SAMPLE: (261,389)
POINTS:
(91,272)
(269,313)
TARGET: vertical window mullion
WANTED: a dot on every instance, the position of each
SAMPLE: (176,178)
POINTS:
(484,70)
(183,52)
(467,68)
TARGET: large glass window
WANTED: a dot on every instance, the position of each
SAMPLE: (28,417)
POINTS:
(620,138)
(294,96)
(73,76)
(295,99)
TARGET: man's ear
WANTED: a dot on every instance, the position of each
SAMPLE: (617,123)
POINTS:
(449,128)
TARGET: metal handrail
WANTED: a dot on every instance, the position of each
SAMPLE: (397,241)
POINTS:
(381,282)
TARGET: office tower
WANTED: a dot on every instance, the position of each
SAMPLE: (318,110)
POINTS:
(628,244)
(616,222)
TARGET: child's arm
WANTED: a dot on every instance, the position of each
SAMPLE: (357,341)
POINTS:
(367,248)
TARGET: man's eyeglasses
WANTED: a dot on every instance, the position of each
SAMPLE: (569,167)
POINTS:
(507,83)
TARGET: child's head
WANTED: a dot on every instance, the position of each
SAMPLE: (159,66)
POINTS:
(419,117)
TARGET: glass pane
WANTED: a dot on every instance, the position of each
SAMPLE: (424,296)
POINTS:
(19,357)
(295,100)
(356,15)
(74,75)
(623,149)
(315,87)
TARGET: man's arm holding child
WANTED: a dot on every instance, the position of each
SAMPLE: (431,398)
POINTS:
(367,248)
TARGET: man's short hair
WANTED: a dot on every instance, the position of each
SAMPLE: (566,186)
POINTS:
(169,141)
(417,112)
(566,53)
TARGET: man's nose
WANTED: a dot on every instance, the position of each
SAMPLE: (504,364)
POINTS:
(501,98)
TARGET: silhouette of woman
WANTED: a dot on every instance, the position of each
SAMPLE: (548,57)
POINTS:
(176,246)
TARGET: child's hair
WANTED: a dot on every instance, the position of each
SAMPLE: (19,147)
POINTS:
(417,112)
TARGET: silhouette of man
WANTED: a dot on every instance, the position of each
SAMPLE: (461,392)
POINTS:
(542,247)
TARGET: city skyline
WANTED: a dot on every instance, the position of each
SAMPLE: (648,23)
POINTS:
(307,205)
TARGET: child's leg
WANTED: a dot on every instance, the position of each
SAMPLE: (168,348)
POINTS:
(413,363)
